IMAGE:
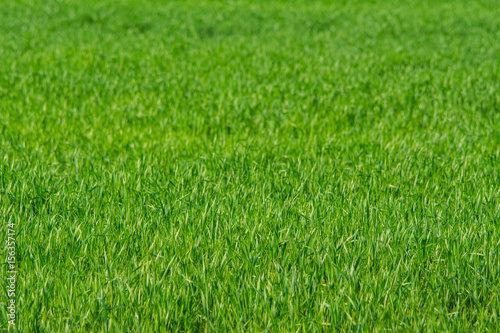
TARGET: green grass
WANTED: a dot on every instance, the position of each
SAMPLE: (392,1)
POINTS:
(251,166)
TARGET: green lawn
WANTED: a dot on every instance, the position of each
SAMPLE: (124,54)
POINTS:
(251,166)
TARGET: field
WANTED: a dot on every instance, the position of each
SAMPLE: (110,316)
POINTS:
(250,166)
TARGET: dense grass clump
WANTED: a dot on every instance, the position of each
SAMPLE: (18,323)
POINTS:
(280,166)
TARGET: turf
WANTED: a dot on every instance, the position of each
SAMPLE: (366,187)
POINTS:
(251,165)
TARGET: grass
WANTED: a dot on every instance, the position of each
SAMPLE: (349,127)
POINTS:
(251,165)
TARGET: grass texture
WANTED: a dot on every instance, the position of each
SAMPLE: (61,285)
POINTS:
(251,166)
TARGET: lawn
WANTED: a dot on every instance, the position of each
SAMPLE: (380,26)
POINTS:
(251,166)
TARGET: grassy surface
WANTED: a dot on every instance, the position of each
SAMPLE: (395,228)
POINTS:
(252,166)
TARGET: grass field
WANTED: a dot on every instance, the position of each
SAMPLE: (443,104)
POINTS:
(251,166)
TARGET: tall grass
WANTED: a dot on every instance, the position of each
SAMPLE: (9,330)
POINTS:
(252,166)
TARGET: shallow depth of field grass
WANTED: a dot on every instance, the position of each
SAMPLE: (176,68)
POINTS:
(251,165)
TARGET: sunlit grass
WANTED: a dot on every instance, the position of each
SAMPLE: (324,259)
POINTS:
(252,166)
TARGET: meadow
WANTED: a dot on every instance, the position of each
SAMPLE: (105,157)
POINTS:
(251,166)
